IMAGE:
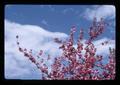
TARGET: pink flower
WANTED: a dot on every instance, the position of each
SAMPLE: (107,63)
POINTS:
(41,52)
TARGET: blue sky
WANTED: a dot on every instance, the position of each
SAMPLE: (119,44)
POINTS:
(37,25)
(61,17)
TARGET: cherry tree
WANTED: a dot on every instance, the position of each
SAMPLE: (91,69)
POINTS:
(79,65)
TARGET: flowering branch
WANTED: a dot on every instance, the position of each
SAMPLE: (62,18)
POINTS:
(79,66)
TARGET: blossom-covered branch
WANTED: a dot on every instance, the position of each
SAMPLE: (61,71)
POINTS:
(73,64)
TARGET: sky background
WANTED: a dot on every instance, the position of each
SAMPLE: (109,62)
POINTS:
(62,17)
(39,24)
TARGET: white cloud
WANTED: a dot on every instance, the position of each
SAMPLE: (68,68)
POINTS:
(98,11)
(104,49)
(30,37)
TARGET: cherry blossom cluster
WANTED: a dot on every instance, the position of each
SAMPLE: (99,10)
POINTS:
(81,63)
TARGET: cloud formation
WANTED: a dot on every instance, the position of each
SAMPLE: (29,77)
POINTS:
(97,11)
(104,49)
(30,37)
